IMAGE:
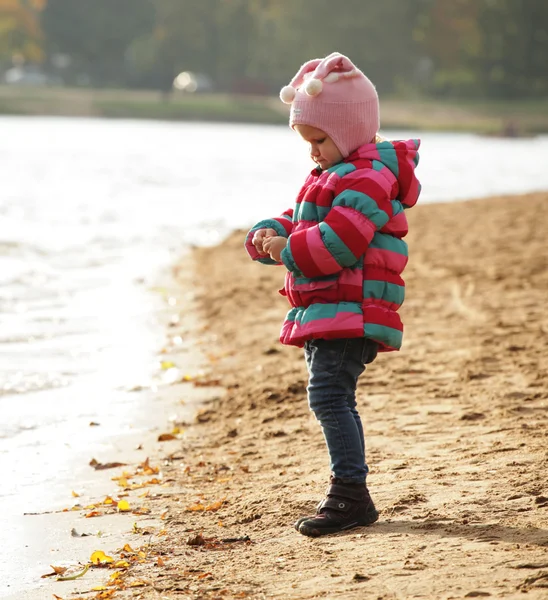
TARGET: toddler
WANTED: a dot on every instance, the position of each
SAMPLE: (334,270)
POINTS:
(343,252)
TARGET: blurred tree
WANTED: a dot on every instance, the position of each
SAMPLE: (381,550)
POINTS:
(20,31)
(451,47)
(513,58)
(96,35)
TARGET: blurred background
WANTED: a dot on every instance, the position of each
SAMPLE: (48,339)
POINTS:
(475,64)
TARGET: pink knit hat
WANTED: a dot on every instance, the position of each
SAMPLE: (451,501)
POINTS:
(333,95)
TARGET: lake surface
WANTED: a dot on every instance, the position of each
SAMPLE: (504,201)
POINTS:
(92,210)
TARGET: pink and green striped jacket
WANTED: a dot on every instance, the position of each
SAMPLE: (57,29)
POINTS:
(345,253)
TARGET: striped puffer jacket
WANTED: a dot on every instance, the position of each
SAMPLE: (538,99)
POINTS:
(345,253)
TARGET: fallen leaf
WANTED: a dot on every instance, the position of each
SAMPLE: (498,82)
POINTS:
(142,510)
(197,540)
(75,495)
(101,466)
(123,506)
(215,506)
(56,571)
(74,533)
(207,383)
(148,469)
(160,562)
(137,584)
(121,564)
(99,588)
(204,575)
(99,557)
(108,500)
(94,424)
(93,513)
(167,364)
(195,507)
(166,437)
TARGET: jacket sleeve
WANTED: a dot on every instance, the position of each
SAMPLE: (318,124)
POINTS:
(282,225)
(361,207)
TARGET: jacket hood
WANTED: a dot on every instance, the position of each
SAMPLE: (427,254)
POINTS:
(400,157)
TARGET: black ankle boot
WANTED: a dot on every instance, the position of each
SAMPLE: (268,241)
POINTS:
(346,505)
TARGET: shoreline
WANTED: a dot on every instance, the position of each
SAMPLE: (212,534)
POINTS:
(505,119)
(455,430)
(86,521)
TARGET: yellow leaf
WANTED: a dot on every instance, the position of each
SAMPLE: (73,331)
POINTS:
(123,506)
(75,495)
(176,430)
(93,513)
(195,507)
(167,364)
(99,588)
(115,575)
(121,564)
(142,554)
(160,562)
(99,557)
(122,482)
(128,548)
(187,378)
(108,500)
(137,584)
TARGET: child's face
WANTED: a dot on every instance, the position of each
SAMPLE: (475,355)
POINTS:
(322,148)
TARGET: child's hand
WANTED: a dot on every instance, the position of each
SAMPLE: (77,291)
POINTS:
(274,246)
(259,238)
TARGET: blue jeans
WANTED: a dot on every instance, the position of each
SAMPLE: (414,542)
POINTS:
(333,368)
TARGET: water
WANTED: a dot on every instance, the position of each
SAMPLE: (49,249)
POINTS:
(91,210)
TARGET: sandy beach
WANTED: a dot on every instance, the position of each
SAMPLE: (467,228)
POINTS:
(456,430)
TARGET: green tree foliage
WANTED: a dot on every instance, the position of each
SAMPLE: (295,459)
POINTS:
(492,48)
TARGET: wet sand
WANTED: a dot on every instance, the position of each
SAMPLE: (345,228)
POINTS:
(456,429)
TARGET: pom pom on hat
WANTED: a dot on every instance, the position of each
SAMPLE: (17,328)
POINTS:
(313,87)
(287,94)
